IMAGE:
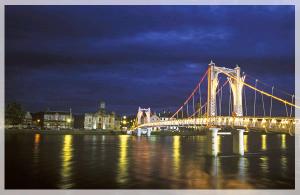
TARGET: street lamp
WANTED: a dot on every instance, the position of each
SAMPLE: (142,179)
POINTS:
(69,122)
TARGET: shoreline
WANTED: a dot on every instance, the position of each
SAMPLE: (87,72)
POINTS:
(111,132)
(98,132)
(66,131)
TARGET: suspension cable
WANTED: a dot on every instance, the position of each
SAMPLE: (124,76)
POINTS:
(200,106)
(194,91)
(181,112)
(193,103)
(263,104)
(218,91)
(263,92)
(292,106)
(255,98)
(271,106)
(244,89)
(220,101)
(187,109)
(268,85)
(229,110)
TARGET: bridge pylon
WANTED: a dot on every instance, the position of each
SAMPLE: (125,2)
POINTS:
(140,115)
(236,85)
(213,82)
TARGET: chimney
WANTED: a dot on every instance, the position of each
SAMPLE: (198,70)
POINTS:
(102,105)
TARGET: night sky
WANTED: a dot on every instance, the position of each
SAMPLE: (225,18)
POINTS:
(59,57)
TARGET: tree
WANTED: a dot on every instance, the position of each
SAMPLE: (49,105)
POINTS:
(14,114)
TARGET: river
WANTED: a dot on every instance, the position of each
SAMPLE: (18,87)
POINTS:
(39,161)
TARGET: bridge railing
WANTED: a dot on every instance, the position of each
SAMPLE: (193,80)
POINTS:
(275,124)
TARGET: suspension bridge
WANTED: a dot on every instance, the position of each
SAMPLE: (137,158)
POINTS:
(247,104)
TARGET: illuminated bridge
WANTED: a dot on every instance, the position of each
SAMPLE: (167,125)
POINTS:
(243,106)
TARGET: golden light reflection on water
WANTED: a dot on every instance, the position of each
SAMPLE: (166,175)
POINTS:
(123,161)
(245,143)
(243,168)
(283,141)
(176,154)
(283,162)
(67,155)
(36,149)
(219,144)
(264,164)
(264,142)
(37,138)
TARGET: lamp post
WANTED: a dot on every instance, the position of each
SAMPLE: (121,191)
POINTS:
(39,124)
(69,120)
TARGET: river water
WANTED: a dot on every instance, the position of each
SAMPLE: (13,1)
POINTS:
(38,161)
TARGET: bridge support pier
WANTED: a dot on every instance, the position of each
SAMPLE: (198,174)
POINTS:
(139,132)
(238,141)
(149,132)
(212,146)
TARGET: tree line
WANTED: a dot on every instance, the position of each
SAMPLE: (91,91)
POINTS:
(14,114)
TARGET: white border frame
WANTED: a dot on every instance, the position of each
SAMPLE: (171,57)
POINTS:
(147,2)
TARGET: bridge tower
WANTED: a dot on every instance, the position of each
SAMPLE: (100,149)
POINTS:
(140,114)
(212,77)
(236,85)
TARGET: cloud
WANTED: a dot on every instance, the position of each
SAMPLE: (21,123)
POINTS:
(138,55)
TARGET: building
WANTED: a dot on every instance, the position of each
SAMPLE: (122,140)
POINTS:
(38,120)
(154,118)
(117,122)
(27,121)
(165,116)
(58,120)
(128,122)
(102,119)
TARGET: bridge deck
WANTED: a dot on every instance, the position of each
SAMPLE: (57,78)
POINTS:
(273,124)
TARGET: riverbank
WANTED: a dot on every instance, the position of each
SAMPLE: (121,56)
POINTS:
(186,132)
(99,132)
(64,132)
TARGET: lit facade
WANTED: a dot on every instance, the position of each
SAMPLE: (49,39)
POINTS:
(27,122)
(101,119)
(58,120)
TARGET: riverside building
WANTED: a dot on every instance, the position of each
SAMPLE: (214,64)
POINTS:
(102,119)
(58,120)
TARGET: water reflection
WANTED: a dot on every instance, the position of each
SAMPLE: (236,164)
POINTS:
(176,154)
(157,162)
(37,139)
(243,168)
(66,158)
(245,143)
(219,144)
(36,149)
(123,161)
(283,162)
(94,147)
(214,166)
(264,142)
(216,175)
(264,164)
(283,141)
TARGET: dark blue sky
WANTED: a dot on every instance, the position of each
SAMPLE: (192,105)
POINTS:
(130,56)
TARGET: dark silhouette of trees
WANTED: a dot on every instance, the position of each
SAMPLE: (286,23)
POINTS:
(14,114)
